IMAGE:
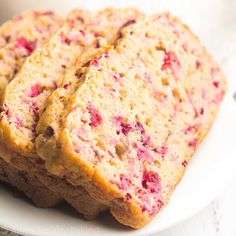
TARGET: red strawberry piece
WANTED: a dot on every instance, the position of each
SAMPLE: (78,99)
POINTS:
(144,154)
(95,116)
(35,90)
(27,45)
(193,143)
(172,62)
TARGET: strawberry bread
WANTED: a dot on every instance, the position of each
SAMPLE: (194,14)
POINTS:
(18,39)
(48,65)
(140,112)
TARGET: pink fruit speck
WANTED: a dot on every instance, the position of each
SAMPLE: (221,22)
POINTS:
(35,90)
(151,180)
(198,64)
(153,210)
(140,127)
(107,55)
(27,45)
(6,111)
(202,111)
(129,22)
(95,116)
(128,196)
(118,76)
(216,84)
(18,122)
(146,140)
(77,150)
(184,163)
(219,97)
(33,129)
(96,154)
(73,37)
(204,94)
(193,143)
(164,150)
(161,150)
(125,128)
(124,183)
(66,86)
(95,63)
(65,39)
(18,18)
(191,129)
(117,120)
(214,71)
(97,34)
(144,154)
(151,196)
(35,109)
(185,47)
(147,77)
(82,32)
(172,62)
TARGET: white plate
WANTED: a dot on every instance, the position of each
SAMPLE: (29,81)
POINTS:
(211,167)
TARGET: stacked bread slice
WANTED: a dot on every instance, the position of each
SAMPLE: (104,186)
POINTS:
(109,112)
(19,37)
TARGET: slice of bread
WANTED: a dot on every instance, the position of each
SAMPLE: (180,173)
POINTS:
(18,39)
(137,118)
(48,66)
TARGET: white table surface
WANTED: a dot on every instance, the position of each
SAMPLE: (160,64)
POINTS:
(219,217)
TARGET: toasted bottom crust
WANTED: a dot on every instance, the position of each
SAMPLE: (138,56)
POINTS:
(29,185)
(77,197)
